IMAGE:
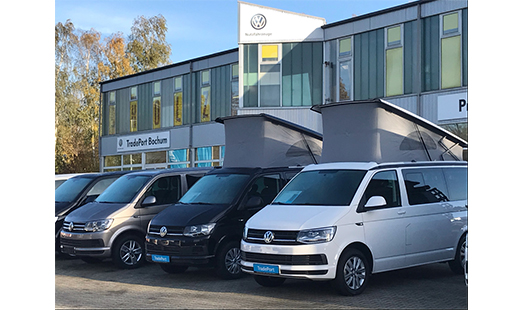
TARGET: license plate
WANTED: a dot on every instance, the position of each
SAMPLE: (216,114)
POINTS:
(261,268)
(160,258)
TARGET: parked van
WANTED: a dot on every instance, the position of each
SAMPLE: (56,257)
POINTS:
(115,224)
(78,191)
(346,221)
(205,227)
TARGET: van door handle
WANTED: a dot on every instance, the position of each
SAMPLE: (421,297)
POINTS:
(401,212)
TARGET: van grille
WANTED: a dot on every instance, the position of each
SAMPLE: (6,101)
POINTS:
(76,226)
(281,237)
(171,230)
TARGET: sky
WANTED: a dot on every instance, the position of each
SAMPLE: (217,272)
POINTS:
(198,27)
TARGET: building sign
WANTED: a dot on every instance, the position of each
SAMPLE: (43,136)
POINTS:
(143,142)
(454,106)
(263,24)
(177,109)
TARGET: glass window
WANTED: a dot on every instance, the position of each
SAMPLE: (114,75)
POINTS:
(132,92)
(178,83)
(451,62)
(156,157)
(216,189)
(269,53)
(178,158)
(394,72)
(384,184)
(344,47)
(250,78)
(345,79)
(457,181)
(166,190)
(132,159)
(209,156)
(156,88)
(112,113)
(450,23)
(266,187)
(101,185)
(425,185)
(71,188)
(133,108)
(323,187)
(156,112)
(205,104)
(124,189)
(394,36)
(112,161)
(177,109)
(234,71)
(205,77)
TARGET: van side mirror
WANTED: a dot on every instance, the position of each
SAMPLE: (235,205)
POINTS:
(376,202)
(254,202)
(149,200)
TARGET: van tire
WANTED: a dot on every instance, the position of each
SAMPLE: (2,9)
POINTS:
(457,264)
(129,251)
(269,281)
(228,261)
(353,271)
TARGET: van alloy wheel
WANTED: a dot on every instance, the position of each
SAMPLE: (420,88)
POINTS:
(130,252)
(232,260)
(354,273)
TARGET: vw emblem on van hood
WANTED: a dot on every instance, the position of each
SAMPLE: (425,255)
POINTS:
(163,231)
(71,226)
(258,21)
(268,237)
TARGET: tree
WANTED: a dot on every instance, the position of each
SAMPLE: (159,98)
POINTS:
(147,45)
(116,61)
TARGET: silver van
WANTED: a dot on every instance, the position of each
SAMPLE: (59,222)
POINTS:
(346,221)
(115,224)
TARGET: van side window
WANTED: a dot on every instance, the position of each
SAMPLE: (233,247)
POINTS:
(266,187)
(457,181)
(166,190)
(425,185)
(384,184)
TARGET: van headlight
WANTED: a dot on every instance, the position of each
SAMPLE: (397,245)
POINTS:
(199,230)
(99,225)
(317,235)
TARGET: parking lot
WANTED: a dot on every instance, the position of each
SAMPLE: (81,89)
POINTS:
(104,286)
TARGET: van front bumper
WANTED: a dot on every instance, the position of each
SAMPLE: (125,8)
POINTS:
(82,244)
(290,261)
(184,251)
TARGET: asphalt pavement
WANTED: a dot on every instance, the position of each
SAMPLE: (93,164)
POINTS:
(79,285)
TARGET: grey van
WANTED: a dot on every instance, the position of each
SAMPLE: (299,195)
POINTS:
(114,225)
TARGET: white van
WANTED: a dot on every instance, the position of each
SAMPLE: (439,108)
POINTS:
(346,221)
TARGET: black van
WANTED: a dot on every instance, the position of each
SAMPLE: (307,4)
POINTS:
(205,227)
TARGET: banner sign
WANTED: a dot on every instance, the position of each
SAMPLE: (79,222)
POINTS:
(453,106)
(143,142)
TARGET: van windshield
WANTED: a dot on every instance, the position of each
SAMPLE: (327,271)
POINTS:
(124,189)
(71,188)
(321,187)
(216,189)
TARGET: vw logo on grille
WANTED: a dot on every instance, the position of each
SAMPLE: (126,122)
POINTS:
(268,237)
(71,226)
(163,231)
(258,21)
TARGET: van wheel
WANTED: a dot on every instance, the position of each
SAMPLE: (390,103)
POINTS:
(457,264)
(353,272)
(269,281)
(228,261)
(128,251)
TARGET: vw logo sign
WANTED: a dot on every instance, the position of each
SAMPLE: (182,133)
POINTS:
(258,21)
(120,142)
(163,231)
(71,226)
(268,237)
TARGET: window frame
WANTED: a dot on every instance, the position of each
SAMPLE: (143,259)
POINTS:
(262,62)
(364,199)
(450,34)
(342,59)
(394,45)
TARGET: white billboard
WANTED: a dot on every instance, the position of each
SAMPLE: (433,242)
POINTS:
(259,24)
(453,106)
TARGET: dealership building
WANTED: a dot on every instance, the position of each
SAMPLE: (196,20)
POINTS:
(414,56)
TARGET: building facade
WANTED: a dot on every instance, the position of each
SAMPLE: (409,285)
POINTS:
(413,55)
